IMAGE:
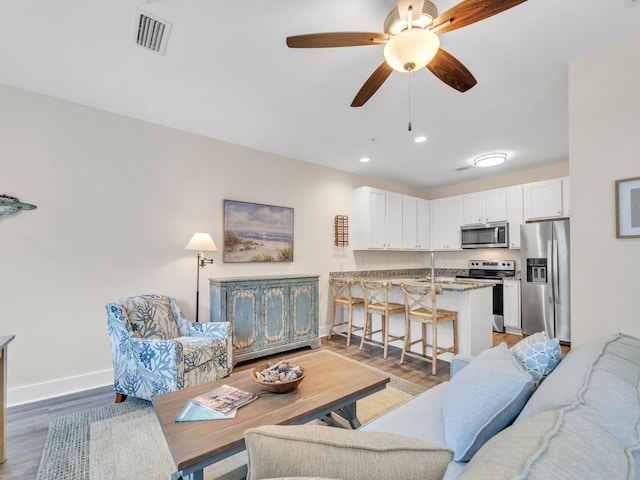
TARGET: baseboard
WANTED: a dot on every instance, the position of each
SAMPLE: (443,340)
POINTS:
(57,388)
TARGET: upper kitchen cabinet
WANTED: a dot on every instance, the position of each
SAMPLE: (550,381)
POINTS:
(377,219)
(446,215)
(543,200)
(485,207)
(416,223)
(515,214)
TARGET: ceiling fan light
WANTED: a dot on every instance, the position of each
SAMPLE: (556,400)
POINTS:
(394,24)
(411,49)
(489,159)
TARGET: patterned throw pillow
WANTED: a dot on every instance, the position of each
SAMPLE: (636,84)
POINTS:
(150,316)
(538,355)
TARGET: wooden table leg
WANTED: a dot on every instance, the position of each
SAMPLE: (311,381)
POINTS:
(348,412)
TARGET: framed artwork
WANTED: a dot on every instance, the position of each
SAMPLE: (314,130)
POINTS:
(628,208)
(254,232)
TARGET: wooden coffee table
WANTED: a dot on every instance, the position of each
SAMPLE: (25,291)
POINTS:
(331,384)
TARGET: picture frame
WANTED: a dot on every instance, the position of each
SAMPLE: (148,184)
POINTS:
(255,232)
(628,208)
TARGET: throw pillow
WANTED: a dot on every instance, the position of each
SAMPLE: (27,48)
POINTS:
(150,316)
(482,399)
(275,451)
(538,354)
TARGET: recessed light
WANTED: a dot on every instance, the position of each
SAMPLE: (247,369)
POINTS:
(489,159)
(365,159)
(420,139)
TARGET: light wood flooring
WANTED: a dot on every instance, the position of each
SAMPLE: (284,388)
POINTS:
(27,425)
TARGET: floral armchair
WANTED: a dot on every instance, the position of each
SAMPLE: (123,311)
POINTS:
(156,350)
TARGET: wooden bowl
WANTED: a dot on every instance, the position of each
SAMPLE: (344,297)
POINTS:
(276,387)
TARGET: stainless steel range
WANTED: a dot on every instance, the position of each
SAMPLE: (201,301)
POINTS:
(492,272)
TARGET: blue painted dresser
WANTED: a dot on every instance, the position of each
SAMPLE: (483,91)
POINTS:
(269,314)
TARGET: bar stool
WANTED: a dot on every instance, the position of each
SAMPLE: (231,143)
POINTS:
(420,306)
(341,294)
(376,300)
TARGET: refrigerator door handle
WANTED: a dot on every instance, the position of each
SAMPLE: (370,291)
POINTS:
(550,267)
(556,274)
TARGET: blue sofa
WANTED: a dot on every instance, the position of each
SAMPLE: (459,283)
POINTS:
(581,422)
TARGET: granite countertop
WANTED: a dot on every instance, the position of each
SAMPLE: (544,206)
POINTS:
(445,277)
(448,284)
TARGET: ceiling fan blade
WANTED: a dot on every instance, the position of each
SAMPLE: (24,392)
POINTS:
(372,84)
(449,69)
(336,39)
(470,11)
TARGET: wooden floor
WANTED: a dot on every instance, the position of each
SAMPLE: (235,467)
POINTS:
(27,425)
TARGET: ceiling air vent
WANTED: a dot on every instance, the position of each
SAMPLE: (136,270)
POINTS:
(150,32)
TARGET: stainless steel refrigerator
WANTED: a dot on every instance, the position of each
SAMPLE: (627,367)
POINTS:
(545,284)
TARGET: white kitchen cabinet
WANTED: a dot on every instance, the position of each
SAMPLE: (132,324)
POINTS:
(416,223)
(515,214)
(446,215)
(511,306)
(566,198)
(377,219)
(485,207)
(543,199)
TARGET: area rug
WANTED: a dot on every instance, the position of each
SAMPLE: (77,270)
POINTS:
(125,440)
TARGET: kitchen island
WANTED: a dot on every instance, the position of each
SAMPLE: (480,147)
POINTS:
(472,300)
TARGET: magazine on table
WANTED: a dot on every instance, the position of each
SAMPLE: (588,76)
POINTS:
(225,399)
(193,412)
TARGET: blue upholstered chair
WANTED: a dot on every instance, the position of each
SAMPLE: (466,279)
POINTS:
(156,350)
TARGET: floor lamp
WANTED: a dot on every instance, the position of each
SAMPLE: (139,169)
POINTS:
(201,242)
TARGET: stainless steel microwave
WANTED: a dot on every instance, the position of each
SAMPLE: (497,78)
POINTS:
(488,235)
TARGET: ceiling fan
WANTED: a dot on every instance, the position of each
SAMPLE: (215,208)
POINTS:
(411,41)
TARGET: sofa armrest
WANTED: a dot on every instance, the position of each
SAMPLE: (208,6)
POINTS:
(458,363)
(211,330)
(319,451)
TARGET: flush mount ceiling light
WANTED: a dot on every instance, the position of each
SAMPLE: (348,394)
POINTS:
(420,139)
(489,159)
(365,160)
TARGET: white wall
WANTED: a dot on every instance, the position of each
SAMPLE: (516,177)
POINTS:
(604,118)
(118,199)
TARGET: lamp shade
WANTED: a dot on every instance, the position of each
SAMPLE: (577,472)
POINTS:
(411,49)
(201,242)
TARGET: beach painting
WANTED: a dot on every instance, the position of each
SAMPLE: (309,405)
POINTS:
(257,233)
